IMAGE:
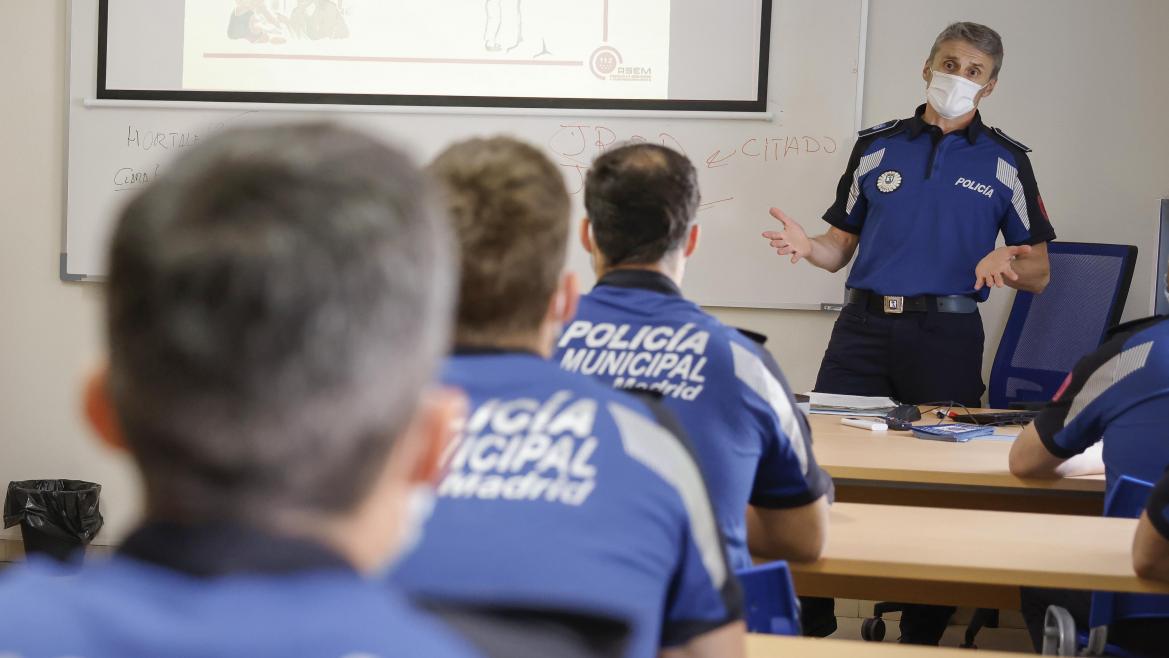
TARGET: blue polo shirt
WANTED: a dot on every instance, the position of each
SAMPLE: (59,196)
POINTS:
(219,591)
(636,331)
(928,207)
(1119,395)
(563,492)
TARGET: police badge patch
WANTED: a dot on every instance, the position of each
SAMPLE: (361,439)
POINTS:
(889,181)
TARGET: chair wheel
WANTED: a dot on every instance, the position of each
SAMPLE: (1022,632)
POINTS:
(873,629)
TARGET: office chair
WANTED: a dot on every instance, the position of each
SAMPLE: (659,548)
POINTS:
(770,599)
(1126,500)
(1047,334)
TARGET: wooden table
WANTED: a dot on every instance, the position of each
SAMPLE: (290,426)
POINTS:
(774,646)
(967,557)
(895,468)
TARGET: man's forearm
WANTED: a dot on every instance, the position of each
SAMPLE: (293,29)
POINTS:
(1034,272)
(1150,551)
(830,254)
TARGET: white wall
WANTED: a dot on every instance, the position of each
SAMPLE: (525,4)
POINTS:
(1084,85)
(49,331)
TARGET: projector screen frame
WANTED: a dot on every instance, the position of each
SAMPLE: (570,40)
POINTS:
(757,106)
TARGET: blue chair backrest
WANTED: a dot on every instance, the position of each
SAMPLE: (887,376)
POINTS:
(1126,500)
(1047,334)
(770,599)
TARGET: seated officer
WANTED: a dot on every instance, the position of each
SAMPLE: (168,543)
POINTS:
(636,331)
(276,308)
(1150,547)
(1108,417)
(560,491)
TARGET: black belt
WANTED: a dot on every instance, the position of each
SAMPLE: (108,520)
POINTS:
(895,305)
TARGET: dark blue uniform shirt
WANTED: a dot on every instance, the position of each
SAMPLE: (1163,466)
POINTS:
(636,331)
(565,493)
(928,207)
(1119,395)
(225,591)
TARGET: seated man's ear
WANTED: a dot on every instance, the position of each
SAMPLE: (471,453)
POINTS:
(98,407)
(419,452)
(692,241)
(586,235)
(564,303)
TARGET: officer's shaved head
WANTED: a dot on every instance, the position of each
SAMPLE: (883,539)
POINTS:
(510,211)
(641,199)
(980,36)
(277,301)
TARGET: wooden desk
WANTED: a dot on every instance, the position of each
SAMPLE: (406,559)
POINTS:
(774,646)
(895,468)
(967,557)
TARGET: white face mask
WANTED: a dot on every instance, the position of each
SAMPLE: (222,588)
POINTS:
(951,96)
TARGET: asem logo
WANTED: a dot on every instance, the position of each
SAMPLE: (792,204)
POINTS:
(985,190)
(604,61)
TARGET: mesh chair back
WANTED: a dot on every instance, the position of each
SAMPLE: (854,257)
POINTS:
(1047,334)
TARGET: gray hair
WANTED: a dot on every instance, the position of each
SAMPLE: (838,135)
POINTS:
(980,36)
(276,303)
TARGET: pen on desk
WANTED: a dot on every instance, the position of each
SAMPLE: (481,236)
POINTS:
(872,425)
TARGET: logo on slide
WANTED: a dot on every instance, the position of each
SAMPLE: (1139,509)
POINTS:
(889,181)
(604,61)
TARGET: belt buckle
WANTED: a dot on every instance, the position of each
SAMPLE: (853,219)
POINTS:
(894,305)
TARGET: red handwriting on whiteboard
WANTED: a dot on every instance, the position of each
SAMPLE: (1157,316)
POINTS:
(771,149)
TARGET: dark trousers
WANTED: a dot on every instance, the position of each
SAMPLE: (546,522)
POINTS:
(915,358)
(1145,637)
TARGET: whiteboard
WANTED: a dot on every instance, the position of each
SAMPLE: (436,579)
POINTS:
(792,158)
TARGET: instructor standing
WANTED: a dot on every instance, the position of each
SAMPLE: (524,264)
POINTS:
(925,199)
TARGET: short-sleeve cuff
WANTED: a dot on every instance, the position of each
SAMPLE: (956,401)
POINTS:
(1040,236)
(819,484)
(839,219)
(1049,442)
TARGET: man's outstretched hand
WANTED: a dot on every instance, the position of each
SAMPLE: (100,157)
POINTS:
(792,240)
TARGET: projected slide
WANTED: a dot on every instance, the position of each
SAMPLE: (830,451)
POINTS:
(614,49)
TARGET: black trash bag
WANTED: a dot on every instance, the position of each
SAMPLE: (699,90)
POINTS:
(56,517)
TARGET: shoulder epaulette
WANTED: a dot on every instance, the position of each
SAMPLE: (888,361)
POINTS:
(880,128)
(756,338)
(1134,326)
(1019,145)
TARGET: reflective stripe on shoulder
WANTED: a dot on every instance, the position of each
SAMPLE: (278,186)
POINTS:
(866,164)
(752,372)
(1008,175)
(663,453)
(1108,375)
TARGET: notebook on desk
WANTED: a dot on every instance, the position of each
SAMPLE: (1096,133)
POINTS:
(850,405)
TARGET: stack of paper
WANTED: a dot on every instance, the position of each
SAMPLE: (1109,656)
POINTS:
(850,405)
